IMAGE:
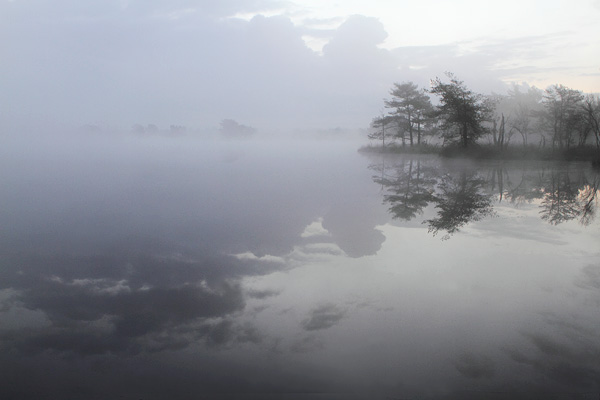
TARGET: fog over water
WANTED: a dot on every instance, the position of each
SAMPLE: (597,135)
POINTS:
(155,267)
(185,215)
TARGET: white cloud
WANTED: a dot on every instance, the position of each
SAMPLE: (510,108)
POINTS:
(315,229)
(249,256)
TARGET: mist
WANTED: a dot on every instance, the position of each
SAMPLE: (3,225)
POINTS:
(195,64)
(224,200)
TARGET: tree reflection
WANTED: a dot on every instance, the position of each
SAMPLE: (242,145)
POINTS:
(589,199)
(461,196)
(529,188)
(410,188)
(459,201)
(563,195)
(560,200)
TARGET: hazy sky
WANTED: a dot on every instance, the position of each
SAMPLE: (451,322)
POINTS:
(275,64)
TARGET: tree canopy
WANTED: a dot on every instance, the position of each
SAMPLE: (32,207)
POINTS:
(410,107)
(462,113)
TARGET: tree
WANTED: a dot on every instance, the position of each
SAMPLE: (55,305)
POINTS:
(232,129)
(591,108)
(561,114)
(522,106)
(461,111)
(498,103)
(381,126)
(410,108)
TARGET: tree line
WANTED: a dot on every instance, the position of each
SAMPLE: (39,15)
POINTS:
(557,118)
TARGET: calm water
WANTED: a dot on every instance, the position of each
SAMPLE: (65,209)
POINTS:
(163,268)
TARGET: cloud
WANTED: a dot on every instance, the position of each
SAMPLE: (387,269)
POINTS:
(189,63)
(323,317)
(488,64)
(315,229)
(131,322)
(420,64)
(183,63)
(356,33)
(121,304)
(249,256)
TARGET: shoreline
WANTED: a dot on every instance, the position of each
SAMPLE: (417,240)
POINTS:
(587,153)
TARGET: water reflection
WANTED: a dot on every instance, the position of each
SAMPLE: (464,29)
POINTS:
(462,194)
(171,271)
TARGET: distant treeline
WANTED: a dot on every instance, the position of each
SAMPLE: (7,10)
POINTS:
(558,118)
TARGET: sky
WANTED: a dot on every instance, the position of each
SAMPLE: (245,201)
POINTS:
(274,65)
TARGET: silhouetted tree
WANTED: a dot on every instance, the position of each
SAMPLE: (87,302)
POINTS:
(520,107)
(232,129)
(461,111)
(151,128)
(139,129)
(410,108)
(500,135)
(381,128)
(591,110)
(561,114)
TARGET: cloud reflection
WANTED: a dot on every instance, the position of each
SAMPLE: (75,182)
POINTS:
(130,313)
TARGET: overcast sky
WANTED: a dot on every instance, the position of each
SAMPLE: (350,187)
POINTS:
(275,65)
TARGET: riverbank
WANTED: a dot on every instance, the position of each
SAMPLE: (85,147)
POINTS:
(587,153)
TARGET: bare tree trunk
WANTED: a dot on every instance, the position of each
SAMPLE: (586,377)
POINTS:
(410,128)
(501,134)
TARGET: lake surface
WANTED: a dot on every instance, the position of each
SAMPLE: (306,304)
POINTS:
(173,268)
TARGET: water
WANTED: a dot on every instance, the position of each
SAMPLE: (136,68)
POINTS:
(176,268)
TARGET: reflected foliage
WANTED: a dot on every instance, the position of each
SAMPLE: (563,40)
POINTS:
(560,201)
(410,188)
(459,201)
(463,195)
